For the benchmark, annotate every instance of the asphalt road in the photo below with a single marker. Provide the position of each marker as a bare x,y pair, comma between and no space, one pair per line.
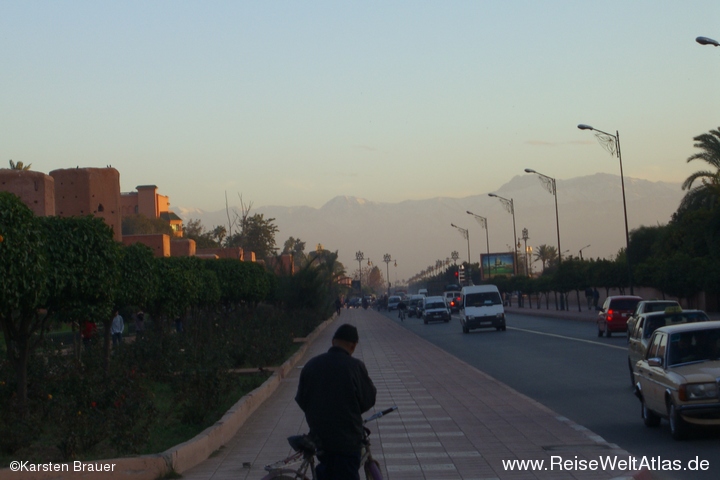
564,365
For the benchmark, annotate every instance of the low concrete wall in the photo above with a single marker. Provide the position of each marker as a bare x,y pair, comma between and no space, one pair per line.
181,457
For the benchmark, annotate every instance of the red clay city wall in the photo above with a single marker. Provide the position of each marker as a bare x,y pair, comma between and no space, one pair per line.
159,243
89,191
35,189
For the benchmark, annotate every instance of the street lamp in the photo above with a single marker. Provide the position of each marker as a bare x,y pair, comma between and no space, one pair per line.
359,256
586,246
707,41
387,259
550,184
466,235
455,255
483,223
525,237
611,143
510,207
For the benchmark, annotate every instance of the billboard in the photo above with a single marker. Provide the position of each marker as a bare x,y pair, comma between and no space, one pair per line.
495,264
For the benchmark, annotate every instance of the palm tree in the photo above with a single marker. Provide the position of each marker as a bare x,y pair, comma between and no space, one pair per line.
19,166
547,254
706,195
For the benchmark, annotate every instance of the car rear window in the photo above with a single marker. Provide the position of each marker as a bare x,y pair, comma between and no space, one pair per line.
654,322
434,305
624,304
659,307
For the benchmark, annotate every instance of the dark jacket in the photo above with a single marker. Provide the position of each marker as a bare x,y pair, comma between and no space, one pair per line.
334,391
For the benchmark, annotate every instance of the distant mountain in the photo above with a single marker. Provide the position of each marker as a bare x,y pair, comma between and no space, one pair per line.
416,233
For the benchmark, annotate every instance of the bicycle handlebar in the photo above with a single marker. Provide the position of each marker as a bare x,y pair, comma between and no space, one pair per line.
380,414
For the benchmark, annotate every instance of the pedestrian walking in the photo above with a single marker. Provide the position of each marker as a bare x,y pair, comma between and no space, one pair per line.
116,329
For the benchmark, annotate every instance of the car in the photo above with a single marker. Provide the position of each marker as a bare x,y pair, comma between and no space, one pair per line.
616,310
453,299
647,306
354,302
412,304
678,377
482,307
393,301
646,323
435,310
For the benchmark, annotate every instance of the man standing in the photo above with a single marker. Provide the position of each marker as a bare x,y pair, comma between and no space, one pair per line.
116,329
334,391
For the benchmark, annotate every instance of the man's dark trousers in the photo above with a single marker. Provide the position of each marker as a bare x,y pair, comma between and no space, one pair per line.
339,466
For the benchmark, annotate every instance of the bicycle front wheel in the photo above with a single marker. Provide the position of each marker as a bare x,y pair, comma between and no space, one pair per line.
372,470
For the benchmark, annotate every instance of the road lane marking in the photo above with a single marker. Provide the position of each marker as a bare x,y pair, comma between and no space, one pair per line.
566,338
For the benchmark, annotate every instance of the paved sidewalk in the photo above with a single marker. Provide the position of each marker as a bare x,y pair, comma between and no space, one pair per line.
454,422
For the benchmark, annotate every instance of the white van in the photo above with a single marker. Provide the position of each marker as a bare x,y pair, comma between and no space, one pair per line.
482,307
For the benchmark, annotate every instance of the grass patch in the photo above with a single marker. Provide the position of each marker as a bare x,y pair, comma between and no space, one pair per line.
168,430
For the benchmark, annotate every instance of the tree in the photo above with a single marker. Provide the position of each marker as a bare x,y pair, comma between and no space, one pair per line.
706,195
139,224
194,230
296,248
375,280
547,254
257,235
23,286
19,166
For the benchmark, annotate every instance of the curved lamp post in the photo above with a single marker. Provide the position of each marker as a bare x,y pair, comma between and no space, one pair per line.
586,246
550,184
707,41
611,143
466,235
510,207
483,223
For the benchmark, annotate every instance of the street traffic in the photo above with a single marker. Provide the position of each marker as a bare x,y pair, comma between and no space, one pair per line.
564,365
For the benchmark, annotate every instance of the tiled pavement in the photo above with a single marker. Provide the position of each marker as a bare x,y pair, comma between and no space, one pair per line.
453,422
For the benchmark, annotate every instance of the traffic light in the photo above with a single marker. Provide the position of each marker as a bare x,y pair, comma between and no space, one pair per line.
461,275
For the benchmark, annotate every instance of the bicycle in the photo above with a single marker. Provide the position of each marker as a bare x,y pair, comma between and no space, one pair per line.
401,314
306,451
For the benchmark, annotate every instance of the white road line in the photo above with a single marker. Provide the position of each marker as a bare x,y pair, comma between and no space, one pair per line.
566,338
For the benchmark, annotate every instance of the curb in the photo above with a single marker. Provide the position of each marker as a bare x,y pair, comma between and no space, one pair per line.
179,458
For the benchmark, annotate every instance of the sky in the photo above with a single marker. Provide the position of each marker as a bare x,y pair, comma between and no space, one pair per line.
294,103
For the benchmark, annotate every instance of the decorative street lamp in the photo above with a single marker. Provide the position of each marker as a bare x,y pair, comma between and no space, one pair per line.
549,184
466,235
510,207
455,255
359,256
611,143
707,41
586,246
525,237
483,223
387,259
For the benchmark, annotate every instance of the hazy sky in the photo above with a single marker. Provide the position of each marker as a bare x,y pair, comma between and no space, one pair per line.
294,103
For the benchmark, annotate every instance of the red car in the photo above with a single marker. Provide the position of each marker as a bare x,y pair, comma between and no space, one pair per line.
615,313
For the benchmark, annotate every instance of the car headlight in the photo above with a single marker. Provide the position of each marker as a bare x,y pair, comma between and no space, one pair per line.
698,391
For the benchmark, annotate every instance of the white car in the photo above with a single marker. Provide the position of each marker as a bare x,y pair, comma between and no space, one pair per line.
435,309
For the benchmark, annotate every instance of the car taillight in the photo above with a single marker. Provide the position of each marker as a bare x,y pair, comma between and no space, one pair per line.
609,314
